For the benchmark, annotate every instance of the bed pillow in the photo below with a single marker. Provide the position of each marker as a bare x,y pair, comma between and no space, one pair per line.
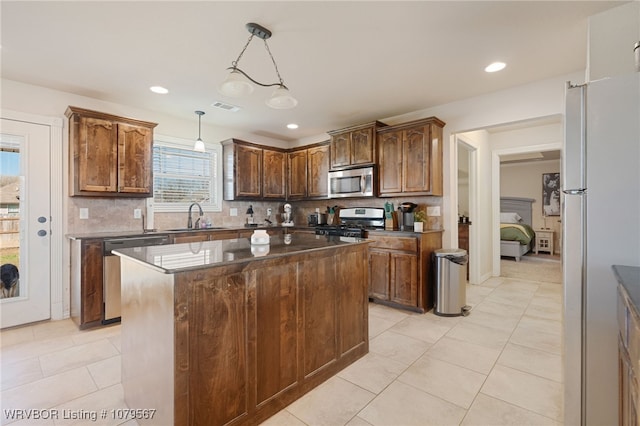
510,217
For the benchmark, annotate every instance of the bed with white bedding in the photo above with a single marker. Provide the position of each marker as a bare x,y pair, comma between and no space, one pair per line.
516,233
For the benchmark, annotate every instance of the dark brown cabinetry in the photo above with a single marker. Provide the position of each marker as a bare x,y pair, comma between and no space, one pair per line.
354,146
297,176
87,282
274,174
308,172
109,155
400,269
410,158
253,172
628,358
463,239
232,344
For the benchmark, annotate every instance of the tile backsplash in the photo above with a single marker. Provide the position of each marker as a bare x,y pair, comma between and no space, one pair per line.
117,214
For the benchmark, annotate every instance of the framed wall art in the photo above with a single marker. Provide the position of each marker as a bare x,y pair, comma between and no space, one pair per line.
551,194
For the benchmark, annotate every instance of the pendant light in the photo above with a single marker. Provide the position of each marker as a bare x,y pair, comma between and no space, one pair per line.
199,145
238,83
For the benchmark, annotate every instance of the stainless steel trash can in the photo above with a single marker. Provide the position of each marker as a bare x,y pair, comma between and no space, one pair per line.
451,282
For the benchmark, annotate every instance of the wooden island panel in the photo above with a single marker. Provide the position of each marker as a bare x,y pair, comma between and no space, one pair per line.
248,338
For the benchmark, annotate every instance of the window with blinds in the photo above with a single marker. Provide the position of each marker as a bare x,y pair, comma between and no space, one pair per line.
182,176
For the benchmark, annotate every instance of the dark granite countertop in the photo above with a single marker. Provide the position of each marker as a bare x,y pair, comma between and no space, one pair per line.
124,234
132,234
629,278
174,258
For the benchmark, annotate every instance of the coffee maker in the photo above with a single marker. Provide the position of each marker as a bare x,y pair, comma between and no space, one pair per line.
406,216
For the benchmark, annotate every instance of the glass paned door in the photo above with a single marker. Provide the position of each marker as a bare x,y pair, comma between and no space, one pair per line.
25,242
10,185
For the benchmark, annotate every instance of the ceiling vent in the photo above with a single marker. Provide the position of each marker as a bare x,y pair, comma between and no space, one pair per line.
226,107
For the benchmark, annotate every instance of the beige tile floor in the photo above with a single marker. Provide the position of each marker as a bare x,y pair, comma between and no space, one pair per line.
501,365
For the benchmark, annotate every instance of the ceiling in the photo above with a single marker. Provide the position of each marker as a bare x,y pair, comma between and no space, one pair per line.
346,62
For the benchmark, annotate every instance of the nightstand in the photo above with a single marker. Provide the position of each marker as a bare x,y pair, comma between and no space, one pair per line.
544,240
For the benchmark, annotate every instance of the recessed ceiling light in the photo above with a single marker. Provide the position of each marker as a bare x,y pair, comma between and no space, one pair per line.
159,89
292,126
496,66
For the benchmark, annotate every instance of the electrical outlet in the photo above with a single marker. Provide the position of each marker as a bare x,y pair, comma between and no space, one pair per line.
433,211
269,211
137,214
84,213
233,211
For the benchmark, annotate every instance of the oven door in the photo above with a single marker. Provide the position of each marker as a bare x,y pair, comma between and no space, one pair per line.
351,183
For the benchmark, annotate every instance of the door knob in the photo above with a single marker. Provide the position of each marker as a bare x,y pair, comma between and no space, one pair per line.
42,233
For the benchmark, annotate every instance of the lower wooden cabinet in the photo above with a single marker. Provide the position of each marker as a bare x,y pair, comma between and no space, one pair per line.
628,360
400,269
233,344
87,293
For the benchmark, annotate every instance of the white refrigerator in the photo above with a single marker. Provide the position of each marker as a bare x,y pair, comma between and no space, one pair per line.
601,227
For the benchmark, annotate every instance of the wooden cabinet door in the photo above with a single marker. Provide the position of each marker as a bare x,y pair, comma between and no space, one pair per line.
416,159
276,330
318,172
274,167
390,163
134,159
379,268
97,154
404,278
297,174
219,388
319,313
91,290
341,150
248,170
362,144
351,268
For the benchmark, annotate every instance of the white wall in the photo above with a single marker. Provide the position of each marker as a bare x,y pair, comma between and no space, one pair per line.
612,36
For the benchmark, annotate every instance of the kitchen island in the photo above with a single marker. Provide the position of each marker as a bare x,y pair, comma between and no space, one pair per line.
226,333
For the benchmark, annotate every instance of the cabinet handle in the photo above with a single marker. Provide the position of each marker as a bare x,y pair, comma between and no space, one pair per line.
42,233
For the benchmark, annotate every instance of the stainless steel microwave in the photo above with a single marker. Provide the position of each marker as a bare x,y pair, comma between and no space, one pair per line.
352,183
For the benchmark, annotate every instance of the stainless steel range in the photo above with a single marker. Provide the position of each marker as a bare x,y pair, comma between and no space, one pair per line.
354,222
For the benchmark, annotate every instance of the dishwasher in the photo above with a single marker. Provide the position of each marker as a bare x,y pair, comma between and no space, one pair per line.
111,278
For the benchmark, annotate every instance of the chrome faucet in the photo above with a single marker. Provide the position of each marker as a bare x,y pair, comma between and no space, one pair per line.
190,221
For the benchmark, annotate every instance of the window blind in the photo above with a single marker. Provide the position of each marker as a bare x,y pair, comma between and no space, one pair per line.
182,176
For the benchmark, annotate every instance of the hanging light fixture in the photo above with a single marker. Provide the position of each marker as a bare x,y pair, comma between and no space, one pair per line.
236,84
199,145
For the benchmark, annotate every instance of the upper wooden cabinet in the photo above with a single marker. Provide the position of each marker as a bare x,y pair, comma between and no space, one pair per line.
354,146
274,173
410,158
109,155
253,171
308,172
318,171
297,177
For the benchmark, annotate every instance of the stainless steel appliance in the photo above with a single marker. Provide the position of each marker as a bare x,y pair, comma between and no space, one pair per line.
352,183
111,274
317,219
354,222
406,218
601,207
